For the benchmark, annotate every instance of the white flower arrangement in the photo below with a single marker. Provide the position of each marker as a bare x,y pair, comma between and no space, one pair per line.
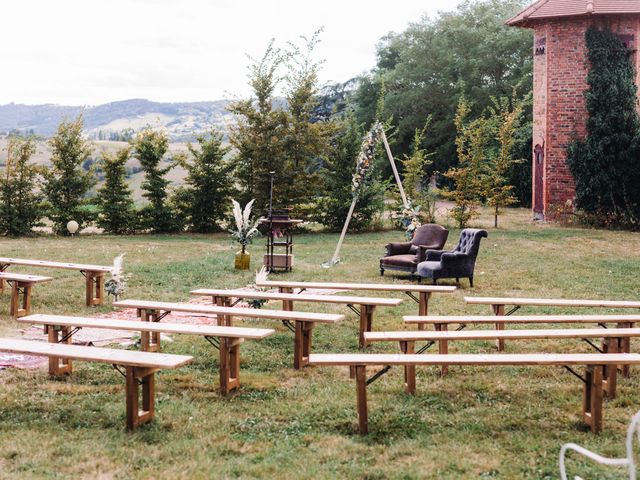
366,157
261,276
117,284
246,229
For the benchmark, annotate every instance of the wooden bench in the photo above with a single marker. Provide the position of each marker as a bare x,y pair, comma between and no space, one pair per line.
139,369
612,342
21,285
367,305
594,363
60,329
424,291
94,275
150,311
498,304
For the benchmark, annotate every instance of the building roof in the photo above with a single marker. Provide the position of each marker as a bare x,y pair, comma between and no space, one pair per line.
545,9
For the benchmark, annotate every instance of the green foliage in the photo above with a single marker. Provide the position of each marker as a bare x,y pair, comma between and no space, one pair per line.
117,212
427,68
150,147
417,172
209,184
605,165
333,206
497,190
257,135
471,141
66,182
20,207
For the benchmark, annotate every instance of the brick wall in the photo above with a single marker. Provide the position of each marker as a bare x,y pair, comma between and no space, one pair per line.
559,85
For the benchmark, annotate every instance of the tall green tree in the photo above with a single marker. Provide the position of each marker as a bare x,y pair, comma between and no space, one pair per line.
605,165
20,200
333,204
150,148
66,182
428,67
417,173
117,211
209,184
259,132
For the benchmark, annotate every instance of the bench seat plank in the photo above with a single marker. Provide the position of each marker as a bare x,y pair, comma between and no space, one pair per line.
390,287
515,319
477,359
551,302
179,328
338,299
95,354
48,264
20,277
230,311
409,335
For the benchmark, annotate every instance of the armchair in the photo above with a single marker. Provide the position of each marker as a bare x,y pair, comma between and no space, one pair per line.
406,256
459,262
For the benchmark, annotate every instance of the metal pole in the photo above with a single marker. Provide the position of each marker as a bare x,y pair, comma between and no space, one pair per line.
270,237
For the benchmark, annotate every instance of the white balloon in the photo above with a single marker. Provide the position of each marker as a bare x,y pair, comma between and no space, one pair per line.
72,226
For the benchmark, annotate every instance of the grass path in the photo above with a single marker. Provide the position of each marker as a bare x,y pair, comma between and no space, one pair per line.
476,423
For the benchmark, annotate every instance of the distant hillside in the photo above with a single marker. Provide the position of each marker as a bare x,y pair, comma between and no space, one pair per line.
182,120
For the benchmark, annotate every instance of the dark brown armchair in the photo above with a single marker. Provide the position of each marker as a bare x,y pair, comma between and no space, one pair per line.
406,256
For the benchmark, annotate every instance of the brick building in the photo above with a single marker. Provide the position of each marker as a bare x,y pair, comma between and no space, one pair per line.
559,83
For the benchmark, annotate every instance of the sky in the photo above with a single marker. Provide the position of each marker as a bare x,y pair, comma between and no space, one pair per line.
89,52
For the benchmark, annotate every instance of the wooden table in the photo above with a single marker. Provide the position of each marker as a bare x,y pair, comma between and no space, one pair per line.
94,275
21,285
365,312
304,321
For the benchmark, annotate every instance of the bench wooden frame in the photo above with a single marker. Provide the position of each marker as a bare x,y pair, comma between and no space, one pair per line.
612,342
94,275
595,364
150,311
367,305
21,286
498,304
424,291
60,329
139,367
441,323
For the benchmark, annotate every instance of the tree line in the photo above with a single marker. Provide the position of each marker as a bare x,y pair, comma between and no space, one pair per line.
309,136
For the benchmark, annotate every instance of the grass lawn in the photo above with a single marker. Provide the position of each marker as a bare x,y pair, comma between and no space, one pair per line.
475,423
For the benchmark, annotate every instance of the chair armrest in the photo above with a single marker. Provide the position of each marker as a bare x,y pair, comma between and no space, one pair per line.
433,255
397,248
422,251
451,257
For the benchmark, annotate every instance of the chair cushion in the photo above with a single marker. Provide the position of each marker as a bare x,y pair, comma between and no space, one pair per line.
400,260
425,268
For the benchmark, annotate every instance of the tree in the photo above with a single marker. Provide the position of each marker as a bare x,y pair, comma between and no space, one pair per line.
333,205
498,192
20,207
209,184
259,131
416,176
66,183
605,165
471,141
427,68
150,147
117,212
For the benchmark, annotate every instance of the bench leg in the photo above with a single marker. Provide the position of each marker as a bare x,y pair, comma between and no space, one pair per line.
366,322
229,365
149,341
592,398
625,347
409,370
423,307
499,311
223,320
20,299
3,267
58,365
610,373
94,288
443,346
302,344
287,305
136,378
361,388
